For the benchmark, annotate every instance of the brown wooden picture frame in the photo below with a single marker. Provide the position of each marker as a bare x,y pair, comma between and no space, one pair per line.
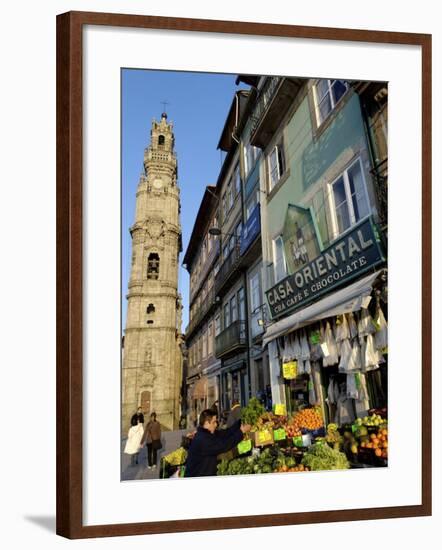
70,272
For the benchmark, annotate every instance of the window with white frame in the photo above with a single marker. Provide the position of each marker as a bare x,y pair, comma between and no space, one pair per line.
238,231
241,304
251,154
236,180
226,315
349,198
233,309
225,207
204,344
255,292
279,262
210,339
276,164
327,95
252,201
217,325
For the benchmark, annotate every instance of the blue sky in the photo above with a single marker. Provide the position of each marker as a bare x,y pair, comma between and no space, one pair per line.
198,106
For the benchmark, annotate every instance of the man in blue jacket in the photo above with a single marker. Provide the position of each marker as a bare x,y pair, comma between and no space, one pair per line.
209,442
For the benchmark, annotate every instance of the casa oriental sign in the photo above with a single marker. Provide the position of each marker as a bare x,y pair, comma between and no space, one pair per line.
352,254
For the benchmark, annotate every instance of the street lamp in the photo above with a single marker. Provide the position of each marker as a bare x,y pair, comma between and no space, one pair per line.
216,232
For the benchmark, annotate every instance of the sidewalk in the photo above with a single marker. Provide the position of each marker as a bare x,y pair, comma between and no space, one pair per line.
170,441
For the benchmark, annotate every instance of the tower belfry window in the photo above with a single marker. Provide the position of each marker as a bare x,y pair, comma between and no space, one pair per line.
161,141
153,266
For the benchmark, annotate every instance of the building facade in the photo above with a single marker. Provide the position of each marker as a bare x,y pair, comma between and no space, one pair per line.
304,176
152,362
201,259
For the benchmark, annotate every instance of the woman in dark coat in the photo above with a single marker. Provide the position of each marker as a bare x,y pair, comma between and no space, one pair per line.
152,437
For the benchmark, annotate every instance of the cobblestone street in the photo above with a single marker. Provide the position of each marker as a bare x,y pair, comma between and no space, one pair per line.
170,441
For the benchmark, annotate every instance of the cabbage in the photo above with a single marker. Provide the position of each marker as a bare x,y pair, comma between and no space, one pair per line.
322,457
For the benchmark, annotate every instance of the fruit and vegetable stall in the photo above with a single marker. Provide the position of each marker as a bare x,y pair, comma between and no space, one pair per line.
300,442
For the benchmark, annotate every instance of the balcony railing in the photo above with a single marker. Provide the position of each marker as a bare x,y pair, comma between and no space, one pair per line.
231,338
208,263
208,303
274,100
228,269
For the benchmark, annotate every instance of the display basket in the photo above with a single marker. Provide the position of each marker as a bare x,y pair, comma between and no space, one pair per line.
320,432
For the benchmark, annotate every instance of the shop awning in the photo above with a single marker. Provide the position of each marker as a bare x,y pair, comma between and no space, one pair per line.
200,388
350,298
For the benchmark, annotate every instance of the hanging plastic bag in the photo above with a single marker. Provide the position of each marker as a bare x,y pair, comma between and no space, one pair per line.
355,362
371,354
352,326
381,335
346,351
312,398
332,358
342,331
301,369
351,388
305,349
296,346
365,324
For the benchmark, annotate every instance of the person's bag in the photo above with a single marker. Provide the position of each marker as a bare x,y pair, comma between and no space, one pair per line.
156,444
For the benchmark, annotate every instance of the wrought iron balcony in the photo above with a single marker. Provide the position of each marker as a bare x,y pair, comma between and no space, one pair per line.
232,338
208,265
208,304
274,100
228,270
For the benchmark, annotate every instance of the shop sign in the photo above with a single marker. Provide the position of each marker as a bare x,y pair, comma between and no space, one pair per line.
348,257
290,370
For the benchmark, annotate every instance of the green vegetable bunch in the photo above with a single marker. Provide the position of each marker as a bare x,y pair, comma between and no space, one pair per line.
269,460
322,457
251,413
237,466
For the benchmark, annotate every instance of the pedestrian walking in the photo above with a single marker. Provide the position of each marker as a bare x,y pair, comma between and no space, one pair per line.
214,408
133,442
137,417
208,443
234,414
152,437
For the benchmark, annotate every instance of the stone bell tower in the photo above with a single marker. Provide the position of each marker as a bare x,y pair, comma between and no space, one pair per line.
152,360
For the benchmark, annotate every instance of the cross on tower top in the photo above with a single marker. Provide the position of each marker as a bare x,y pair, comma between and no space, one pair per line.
164,103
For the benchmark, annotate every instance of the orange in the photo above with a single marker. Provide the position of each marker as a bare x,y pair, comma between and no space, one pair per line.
378,452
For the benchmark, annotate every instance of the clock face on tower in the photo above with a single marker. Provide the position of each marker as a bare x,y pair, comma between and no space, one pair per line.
158,183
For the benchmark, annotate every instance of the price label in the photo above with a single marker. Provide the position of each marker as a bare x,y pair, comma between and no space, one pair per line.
279,435
358,380
290,370
244,446
280,409
354,428
315,337
263,436
298,441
